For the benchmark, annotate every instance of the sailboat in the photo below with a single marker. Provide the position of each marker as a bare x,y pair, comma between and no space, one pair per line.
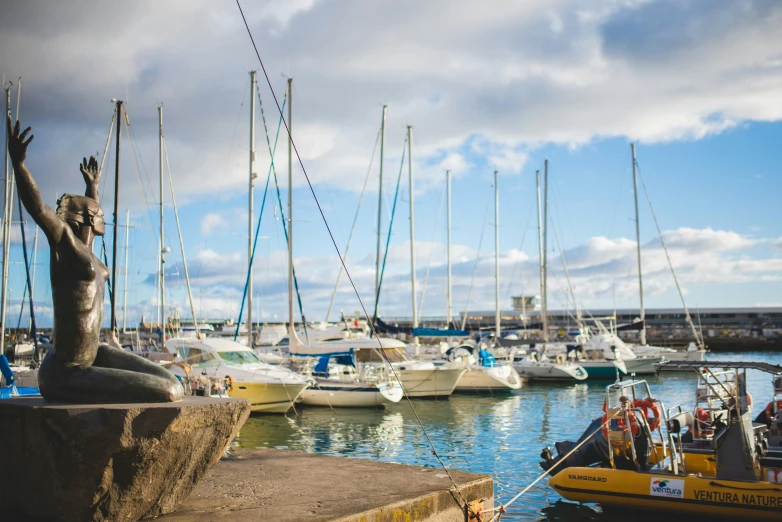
534,365
354,389
484,372
211,366
694,352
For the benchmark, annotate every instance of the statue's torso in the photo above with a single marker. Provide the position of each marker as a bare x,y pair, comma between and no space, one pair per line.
78,279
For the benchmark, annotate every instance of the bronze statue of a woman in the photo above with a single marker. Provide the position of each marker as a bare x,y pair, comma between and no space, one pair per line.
78,368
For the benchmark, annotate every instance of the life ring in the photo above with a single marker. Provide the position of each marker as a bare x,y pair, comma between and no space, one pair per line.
770,409
749,400
560,358
621,423
701,423
229,383
646,405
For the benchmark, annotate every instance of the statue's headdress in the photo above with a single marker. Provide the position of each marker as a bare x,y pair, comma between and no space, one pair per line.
80,209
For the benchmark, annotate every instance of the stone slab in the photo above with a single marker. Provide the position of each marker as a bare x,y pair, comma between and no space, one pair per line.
287,486
109,461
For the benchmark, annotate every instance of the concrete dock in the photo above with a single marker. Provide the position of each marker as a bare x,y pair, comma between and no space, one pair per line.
284,486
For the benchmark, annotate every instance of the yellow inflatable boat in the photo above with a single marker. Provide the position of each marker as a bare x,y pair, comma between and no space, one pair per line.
681,494
634,456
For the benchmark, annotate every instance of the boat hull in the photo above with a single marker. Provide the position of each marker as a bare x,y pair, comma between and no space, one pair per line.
430,383
546,371
642,365
599,369
671,493
336,394
267,397
497,379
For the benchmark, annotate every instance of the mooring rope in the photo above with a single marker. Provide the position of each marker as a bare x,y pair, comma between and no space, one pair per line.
502,507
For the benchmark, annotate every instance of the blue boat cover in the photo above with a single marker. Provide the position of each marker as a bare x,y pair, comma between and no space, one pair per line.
5,368
323,365
487,359
323,362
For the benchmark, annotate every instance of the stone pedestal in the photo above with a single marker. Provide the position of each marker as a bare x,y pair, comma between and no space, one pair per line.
109,461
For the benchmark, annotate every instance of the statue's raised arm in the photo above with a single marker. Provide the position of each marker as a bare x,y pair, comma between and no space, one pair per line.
43,215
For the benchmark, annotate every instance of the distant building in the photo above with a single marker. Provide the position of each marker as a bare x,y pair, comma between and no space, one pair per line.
526,302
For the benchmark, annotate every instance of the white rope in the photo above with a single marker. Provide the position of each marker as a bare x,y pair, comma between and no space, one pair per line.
698,338
475,267
355,219
181,244
502,508
431,250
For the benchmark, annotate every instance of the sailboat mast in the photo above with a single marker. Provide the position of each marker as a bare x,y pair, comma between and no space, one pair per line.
448,246
125,282
412,226
380,205
638,246
496,259
290,206
6,226
545,250
116,221
543,311
162,260
253,87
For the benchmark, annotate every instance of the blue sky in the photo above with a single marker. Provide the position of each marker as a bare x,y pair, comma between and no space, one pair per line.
695,84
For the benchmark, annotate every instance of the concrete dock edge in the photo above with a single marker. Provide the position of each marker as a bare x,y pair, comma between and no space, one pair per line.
284,485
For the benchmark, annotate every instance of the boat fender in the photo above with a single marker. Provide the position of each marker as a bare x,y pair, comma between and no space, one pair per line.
749,400
560,358
229,383
621,424
648,404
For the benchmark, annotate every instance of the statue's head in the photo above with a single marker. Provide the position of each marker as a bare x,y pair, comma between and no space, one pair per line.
81,211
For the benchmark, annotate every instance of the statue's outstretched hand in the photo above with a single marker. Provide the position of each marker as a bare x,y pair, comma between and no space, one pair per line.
90,171
17,146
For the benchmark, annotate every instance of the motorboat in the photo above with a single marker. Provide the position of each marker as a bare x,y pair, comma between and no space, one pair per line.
387,356
634,456
339,385
535,367
483,373
270,389
691,353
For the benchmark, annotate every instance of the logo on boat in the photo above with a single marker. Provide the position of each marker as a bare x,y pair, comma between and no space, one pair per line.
666,487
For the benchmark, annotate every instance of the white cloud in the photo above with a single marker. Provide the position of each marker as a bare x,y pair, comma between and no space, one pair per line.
211,222
515,76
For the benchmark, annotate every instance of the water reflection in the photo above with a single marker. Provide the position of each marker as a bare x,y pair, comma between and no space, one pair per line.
498,435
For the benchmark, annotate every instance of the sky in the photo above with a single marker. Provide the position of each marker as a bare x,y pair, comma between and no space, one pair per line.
695,84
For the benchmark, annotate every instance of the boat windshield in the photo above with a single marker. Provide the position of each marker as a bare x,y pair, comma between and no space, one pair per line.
239,358
196,357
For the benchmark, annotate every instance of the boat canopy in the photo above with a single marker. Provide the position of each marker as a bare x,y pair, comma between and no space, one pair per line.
385,328
323,362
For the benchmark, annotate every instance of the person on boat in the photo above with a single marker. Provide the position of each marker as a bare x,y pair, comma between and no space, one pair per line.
78,368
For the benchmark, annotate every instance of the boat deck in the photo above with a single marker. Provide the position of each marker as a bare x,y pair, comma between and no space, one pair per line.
267,484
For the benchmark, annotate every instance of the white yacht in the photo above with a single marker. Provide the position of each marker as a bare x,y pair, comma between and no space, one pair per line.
419,379
269,389
691,353
340,385
484,374
542,368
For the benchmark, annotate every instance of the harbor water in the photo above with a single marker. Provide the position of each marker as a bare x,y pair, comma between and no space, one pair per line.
500,435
